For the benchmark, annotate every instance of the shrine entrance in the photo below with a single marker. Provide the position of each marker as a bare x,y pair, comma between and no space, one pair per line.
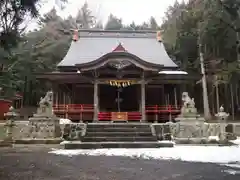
118,99
128,77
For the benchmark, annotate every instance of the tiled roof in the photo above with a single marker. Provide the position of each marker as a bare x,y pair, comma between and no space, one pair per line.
93,44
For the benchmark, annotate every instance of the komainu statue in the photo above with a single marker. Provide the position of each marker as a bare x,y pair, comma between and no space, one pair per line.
187,101
188,108
46,105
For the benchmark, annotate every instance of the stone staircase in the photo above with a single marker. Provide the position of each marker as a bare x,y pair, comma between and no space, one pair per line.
117,135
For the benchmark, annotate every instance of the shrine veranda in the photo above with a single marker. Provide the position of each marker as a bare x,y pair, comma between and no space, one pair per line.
117,76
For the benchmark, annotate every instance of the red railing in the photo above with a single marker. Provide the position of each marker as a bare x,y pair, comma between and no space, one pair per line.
73,108
78,110
163,113
104,116
90,108
134,116
163,109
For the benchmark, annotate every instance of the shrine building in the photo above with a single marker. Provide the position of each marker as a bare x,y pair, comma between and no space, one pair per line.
117,76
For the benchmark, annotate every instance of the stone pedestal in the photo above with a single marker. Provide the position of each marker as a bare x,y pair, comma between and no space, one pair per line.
190,125
44,124
196,119
189,129
42,127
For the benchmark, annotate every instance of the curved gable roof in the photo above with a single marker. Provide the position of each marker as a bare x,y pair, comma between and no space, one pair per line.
92,45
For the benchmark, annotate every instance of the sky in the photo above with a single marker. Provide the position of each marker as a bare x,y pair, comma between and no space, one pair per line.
128,10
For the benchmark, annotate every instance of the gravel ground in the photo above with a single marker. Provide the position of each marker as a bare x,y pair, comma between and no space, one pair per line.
35,163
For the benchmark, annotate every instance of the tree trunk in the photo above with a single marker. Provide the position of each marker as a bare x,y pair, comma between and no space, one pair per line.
232,101
217,97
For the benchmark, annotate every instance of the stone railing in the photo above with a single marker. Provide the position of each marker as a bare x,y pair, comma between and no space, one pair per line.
195,132
187,132
167,131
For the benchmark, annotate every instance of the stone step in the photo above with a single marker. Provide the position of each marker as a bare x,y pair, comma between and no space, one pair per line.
119,139
118,129
115,134
101,145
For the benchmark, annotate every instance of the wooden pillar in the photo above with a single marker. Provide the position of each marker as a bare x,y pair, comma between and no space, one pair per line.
64,98
175,97
95,101
139,100
56,96
74,94
143,99
163,96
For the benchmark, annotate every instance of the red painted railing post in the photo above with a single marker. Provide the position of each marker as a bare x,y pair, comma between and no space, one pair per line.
156,113
81,109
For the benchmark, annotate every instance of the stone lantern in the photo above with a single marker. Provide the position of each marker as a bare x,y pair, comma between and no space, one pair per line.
11,117
221,115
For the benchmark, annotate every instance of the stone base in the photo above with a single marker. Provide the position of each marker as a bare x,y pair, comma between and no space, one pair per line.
162,131
198,130
4,143
101,145
38,141
113,135
41,127
190,119
44,115
188,130
42,118
202,141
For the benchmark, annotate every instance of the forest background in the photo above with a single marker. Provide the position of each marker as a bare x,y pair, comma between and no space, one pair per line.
213,23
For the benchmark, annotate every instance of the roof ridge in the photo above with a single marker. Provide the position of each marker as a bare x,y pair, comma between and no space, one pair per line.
116,34
116,31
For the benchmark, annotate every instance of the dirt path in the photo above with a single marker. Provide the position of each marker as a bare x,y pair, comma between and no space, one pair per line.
38,164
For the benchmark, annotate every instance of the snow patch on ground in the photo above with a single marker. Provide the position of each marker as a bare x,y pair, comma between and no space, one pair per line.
236,166
232,172
65,142
228,155
65,121
237,141
213,138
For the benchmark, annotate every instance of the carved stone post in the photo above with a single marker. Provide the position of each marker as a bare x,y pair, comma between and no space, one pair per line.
11,117
143,102
96,109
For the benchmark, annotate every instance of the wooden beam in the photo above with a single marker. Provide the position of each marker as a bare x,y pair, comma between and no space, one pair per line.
149,86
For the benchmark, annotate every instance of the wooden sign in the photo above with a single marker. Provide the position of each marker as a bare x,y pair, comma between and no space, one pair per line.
119,116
